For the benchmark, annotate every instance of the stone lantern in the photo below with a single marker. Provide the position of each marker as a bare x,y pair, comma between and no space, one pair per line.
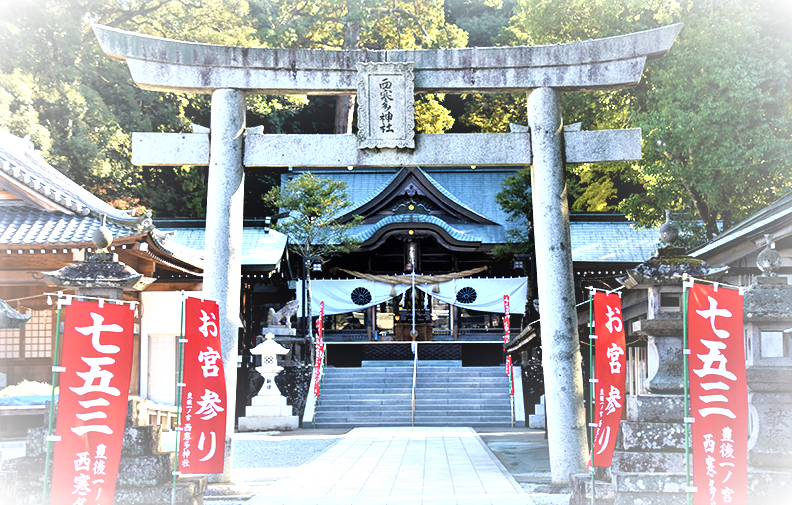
768,353
101,274
648,464
268,410
661,278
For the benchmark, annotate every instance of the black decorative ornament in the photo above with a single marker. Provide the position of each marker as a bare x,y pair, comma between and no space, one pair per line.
361,296
466,295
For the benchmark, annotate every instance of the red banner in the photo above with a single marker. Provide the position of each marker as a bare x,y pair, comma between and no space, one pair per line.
506,338
718,395
92,406
203,402
320,349
610,366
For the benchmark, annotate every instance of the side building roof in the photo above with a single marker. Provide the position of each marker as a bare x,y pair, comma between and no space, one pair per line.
41,209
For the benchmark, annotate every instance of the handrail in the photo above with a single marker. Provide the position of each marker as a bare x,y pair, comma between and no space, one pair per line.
415,379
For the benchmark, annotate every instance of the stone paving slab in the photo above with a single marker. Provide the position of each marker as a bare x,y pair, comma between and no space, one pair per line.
407,465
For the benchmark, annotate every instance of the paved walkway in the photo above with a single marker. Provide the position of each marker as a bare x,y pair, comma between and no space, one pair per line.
400,466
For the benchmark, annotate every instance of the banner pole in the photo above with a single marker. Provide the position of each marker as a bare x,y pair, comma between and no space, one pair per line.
592,391
55,369
178,402
685,358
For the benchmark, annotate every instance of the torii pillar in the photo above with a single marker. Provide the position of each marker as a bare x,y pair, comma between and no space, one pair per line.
228,73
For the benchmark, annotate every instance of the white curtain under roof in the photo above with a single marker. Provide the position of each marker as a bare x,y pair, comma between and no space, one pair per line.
347,295
341,296
484,295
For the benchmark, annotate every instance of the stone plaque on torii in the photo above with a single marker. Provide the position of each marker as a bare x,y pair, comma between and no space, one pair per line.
229,73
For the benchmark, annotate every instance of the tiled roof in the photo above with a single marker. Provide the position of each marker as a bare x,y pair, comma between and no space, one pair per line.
593,240
612,242
22,226
260,246
22,164
474,190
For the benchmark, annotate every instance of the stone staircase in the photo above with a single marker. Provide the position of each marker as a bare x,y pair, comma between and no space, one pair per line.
379,393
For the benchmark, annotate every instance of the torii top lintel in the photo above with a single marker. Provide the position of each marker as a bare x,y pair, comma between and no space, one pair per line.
159,64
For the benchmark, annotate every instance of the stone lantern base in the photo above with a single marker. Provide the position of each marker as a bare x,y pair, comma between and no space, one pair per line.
268,413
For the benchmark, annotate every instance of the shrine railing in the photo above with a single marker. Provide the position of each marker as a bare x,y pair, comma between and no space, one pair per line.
414,379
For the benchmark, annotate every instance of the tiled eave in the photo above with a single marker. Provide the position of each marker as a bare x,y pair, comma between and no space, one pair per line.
22,228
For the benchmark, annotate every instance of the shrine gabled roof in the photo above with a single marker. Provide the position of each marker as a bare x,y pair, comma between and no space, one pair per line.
463,233
421,177
471,192
47,211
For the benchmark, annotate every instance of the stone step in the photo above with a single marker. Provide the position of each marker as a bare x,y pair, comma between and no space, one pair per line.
372,407
537,421
324,401
462,415
660,462
442,422
467,370
389,419
463,393
460,404
370,371
367,381
431,363
445,395
580,484
387,363
654,437
461,380
358,392
360,424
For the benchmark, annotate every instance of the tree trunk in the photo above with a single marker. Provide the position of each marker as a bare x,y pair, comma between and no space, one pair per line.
702,209
345,104
344,113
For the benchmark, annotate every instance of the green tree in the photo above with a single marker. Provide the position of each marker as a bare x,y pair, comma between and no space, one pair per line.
482,20
515,199
362,24
715,112
80,107
316,225
718,146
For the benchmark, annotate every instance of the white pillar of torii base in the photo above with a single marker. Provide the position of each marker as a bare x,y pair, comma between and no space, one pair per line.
230,72
222,279
557,312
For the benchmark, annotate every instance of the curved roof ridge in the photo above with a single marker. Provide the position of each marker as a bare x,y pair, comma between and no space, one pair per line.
370,229
21,162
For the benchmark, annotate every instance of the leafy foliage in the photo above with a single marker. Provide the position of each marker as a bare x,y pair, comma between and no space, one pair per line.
515,199
314,206
80,107
362,24
718,146
715,112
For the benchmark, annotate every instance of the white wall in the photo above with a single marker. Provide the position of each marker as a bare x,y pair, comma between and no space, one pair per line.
160,327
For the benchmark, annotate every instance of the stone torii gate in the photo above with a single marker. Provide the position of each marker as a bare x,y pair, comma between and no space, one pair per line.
230,73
